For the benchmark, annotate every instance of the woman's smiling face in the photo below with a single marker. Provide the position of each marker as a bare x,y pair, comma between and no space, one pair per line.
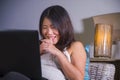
49,31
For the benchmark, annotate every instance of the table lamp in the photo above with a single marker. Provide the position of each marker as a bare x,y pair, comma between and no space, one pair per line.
103,41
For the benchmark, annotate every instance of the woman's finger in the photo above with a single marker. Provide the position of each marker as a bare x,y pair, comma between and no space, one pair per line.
49,41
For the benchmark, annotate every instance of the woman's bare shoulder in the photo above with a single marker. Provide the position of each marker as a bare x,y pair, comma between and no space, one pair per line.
77,44
78,51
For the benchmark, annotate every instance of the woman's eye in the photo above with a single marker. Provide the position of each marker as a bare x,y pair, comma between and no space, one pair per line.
44,27
52,27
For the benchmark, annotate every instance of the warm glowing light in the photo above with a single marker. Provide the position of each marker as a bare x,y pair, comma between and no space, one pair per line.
103,40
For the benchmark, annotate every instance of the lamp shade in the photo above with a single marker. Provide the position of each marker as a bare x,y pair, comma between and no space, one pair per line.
103,40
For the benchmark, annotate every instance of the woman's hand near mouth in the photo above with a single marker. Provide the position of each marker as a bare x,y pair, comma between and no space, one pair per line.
48,46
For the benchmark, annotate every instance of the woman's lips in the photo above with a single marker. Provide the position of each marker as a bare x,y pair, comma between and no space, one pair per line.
52,38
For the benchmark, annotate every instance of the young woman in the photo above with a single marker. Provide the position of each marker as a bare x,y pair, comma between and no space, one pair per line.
61,56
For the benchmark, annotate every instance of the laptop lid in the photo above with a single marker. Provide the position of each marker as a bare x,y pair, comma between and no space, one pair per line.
19,51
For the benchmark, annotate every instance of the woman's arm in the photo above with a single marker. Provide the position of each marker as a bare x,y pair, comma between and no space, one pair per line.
76,69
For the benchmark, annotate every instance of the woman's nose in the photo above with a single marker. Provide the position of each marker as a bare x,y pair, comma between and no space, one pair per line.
50,31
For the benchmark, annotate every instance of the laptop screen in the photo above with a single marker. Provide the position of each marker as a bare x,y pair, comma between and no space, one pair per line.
19,52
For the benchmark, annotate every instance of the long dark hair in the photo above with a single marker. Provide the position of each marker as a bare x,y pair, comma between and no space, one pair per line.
61,20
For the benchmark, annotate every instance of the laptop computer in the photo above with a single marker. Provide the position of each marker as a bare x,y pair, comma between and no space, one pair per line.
19,52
